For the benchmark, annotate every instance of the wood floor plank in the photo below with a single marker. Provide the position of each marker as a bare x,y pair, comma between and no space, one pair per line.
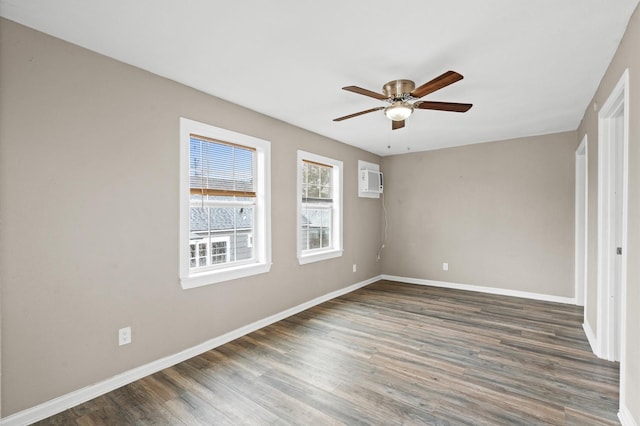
388,353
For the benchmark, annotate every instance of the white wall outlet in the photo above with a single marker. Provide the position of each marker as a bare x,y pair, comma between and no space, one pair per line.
124,336
355,267
445,266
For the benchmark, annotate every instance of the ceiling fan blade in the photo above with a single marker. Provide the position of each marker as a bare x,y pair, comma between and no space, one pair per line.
395,125
358,113
361,91
443,106
437,83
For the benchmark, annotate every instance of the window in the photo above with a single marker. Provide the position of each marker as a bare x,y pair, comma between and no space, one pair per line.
319,208
224,205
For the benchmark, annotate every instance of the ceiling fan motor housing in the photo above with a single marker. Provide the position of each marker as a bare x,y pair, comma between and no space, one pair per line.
396,88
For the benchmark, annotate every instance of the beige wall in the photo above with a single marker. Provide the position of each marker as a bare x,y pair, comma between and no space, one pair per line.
500,213
89,205
626,57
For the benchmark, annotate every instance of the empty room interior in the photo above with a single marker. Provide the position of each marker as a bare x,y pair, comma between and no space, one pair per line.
319,213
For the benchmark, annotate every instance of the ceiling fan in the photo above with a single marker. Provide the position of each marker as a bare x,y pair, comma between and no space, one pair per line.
401,93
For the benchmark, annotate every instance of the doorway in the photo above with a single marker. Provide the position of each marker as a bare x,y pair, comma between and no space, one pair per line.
613,120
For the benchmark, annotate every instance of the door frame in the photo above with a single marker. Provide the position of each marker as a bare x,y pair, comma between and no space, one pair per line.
581,223
608,304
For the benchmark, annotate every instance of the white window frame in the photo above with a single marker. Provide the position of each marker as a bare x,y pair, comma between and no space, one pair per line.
336,248
262,224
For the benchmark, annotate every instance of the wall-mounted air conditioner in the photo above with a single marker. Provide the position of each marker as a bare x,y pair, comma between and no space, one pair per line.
370,180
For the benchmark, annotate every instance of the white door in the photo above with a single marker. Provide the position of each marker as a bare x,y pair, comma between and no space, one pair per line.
613,142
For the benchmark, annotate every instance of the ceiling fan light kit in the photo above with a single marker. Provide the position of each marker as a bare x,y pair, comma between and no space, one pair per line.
400,94
398,111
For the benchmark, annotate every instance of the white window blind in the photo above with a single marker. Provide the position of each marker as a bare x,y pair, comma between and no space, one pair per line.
221,168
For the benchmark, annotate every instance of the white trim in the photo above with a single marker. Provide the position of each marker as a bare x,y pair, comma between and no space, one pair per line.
64,402
591,338
262,225
481,289
303,259
625,417
581,236
606,330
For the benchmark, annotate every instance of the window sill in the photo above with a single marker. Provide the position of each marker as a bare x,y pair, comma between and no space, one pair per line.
226,274
303,259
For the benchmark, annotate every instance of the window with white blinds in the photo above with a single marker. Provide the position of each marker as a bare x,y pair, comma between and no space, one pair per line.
218,168
319,207
224,205
223,200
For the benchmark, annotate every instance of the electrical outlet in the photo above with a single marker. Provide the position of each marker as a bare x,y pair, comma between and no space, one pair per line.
445,266
124,336
355,267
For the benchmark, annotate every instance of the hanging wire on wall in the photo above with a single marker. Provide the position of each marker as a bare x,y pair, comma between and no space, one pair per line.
386,228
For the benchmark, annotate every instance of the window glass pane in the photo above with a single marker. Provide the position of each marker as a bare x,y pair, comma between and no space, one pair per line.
316,227
222,219
314,191
326,228
244,169
195,164
325,193
220,234
325,176
312,177
317,181
305,237
242,248
314,238
199,223
325,238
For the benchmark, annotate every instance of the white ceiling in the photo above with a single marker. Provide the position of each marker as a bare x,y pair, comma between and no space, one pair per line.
530,67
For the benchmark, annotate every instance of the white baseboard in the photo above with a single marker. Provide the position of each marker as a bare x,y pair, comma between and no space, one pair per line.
57,405
591,337
625,417
490,290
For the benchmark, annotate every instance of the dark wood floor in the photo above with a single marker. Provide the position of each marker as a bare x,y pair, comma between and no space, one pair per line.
388,353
